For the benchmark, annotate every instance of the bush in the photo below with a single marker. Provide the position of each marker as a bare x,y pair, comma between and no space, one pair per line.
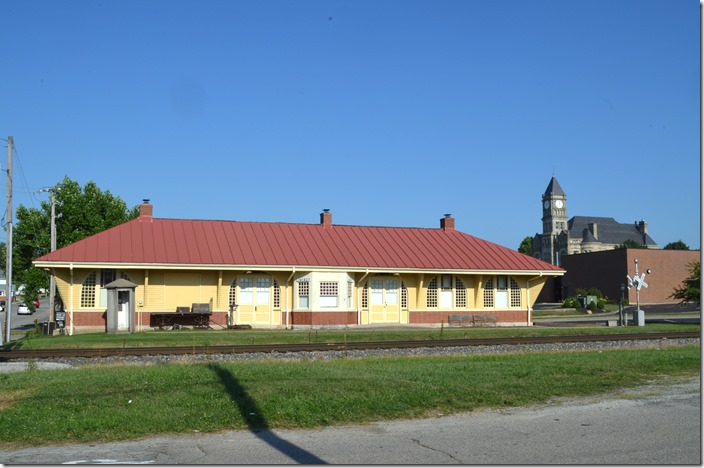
601,303
592,306
595,292
571,302
580,292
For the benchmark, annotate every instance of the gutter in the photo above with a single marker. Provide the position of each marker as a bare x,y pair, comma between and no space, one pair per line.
288,309
70,308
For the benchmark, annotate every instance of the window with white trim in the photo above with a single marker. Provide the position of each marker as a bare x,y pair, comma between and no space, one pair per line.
404,296
502,292
328,294
262,293
365,296
446,291
377,291
384,291
303,294
246,290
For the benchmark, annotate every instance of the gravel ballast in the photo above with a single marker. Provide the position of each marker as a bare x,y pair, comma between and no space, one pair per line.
58,363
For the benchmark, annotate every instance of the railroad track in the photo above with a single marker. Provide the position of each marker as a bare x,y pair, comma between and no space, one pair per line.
14,354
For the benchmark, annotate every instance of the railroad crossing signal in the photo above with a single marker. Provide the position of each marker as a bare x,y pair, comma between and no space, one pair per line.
636,281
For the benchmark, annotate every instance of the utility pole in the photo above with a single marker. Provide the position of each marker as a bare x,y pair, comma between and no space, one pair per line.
8,246
52,282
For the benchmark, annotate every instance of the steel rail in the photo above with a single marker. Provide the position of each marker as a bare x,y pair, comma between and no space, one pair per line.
13,354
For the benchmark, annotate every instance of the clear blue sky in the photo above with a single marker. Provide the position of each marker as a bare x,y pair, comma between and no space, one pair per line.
386,112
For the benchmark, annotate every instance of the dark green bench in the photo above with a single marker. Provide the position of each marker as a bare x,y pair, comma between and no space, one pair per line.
460,319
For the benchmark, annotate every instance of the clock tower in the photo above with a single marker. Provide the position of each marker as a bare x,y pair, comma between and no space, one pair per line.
552,243
554,209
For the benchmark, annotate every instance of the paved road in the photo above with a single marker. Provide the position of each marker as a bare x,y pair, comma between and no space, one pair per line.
650,425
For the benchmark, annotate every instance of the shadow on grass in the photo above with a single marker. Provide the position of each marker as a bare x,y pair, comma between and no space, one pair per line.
256,422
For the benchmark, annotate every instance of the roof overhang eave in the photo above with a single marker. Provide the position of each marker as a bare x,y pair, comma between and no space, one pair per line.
351,269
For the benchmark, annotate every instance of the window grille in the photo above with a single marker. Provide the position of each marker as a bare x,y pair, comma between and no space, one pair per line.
88,291
404,296
432,298
515,294
460,293
365,296
489,293
277,295
232,295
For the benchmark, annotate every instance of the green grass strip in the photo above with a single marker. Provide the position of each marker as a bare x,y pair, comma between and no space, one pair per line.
250,337
121,402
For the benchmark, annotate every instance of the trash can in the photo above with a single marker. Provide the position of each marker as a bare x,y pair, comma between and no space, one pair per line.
49,328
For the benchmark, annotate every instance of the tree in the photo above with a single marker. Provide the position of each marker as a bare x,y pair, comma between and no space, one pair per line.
678,245
630,244
81,212
690,290
526,246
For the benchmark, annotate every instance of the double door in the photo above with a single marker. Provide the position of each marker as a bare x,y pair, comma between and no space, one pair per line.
384,303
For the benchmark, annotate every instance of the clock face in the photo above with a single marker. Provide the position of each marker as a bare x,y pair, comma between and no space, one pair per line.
546,205
558,203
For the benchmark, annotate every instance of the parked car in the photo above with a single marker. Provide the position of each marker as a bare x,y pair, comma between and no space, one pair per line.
22,309
36,303
2,306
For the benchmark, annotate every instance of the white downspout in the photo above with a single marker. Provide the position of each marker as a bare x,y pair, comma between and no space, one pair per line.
530,311
70,308
288,309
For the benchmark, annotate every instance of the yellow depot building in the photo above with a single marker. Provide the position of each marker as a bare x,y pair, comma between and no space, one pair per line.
151,272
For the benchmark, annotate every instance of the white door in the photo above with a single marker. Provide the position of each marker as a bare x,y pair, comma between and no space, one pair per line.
123,310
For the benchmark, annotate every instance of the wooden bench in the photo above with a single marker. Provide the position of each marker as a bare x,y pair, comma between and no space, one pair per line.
460,319
480,319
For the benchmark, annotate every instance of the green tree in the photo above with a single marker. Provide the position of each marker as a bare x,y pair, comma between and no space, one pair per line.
526,246
630,244
81,212
677,245
690,290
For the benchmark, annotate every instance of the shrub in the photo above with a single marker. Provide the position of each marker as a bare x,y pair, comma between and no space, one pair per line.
592,306
595,292
571,302
601,303
581,292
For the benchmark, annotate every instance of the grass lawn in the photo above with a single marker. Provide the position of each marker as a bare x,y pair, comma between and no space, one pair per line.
120,402
187,337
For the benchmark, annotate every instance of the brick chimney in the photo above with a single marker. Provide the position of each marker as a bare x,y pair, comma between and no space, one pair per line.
145,210
326,218
447,223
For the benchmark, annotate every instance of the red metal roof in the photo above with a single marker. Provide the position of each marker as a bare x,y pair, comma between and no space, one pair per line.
177,242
